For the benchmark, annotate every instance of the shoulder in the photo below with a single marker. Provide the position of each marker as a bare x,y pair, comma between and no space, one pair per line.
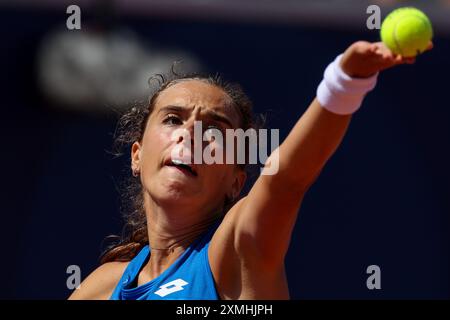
100,284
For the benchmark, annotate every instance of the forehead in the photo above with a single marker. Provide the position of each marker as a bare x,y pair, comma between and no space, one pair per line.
198,94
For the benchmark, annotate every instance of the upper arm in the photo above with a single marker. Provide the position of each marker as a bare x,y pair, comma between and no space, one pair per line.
265,221
100,284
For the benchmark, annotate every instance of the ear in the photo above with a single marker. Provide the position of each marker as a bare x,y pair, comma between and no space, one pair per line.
136,156
238,183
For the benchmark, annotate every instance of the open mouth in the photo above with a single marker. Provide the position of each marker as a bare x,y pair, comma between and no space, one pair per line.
184,167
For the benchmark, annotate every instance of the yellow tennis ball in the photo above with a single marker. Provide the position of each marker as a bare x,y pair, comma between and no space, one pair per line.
406,31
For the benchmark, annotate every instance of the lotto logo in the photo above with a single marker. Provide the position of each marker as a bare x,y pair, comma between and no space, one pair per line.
171,287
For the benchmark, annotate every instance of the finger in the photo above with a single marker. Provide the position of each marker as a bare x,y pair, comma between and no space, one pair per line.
409,60
398,59
373,48
380,48
390,55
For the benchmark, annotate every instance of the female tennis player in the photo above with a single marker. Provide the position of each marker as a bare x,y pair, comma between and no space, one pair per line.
187,237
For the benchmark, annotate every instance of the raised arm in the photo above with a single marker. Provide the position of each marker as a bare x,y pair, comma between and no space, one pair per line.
262,222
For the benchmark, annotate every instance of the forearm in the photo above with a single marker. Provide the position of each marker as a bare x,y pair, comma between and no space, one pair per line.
309,145
320,130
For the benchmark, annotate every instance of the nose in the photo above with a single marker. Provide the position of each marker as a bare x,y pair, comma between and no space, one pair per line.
189,137
183,148
187,134
184,138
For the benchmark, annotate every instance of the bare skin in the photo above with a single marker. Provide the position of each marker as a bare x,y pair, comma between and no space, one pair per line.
252,241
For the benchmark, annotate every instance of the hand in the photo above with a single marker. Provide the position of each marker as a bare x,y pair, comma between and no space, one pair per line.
363,59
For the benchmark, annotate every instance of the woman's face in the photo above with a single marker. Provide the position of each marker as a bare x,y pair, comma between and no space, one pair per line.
204,186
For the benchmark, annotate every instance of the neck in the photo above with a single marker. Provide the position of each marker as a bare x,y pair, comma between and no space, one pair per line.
171,231
169,225
168,233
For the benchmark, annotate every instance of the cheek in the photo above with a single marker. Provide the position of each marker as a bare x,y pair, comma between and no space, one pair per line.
220,175
155,141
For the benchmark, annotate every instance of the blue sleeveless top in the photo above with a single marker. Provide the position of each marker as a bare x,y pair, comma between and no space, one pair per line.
188,278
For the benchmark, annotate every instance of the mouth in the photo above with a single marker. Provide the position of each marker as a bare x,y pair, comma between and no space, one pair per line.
182,166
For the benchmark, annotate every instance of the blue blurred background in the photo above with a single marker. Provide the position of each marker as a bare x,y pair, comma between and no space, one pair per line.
383,198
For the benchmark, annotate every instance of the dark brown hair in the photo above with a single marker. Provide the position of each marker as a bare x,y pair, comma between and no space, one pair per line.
130,129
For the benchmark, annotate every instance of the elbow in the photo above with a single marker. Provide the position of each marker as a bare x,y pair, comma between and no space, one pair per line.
287,183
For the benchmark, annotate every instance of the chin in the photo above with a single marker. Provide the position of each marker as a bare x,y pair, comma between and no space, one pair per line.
175,190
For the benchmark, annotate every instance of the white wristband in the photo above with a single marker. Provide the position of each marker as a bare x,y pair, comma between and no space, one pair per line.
340,93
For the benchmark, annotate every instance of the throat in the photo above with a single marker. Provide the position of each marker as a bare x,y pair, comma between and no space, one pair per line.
166,241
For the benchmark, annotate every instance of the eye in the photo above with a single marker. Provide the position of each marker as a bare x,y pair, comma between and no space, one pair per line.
172,119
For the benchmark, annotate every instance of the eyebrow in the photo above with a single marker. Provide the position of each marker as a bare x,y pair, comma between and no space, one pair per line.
210,113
